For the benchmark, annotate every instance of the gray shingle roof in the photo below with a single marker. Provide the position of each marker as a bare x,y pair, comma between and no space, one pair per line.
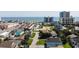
51,39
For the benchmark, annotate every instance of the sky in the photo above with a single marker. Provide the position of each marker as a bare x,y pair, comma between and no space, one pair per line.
27,13
34,13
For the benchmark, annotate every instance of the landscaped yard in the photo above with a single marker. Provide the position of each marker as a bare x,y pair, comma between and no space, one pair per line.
41,42
29,41
52,27
33,34
67,45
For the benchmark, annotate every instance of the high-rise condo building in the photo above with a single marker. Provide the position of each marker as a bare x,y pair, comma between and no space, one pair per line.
48,19
65,18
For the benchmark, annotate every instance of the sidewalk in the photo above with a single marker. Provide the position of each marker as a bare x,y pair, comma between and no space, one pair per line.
35,39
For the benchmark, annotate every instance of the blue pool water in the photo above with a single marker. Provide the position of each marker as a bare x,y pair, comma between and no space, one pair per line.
17,33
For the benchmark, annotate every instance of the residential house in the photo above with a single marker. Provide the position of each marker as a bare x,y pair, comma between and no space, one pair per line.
10,44
53,42
74,41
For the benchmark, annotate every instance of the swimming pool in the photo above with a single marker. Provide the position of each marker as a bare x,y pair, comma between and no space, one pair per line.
19,32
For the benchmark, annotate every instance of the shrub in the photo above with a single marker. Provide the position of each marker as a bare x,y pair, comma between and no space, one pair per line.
67,45
41,42
29,41
33,34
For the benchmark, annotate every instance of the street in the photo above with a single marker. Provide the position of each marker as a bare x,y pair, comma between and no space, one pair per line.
35,39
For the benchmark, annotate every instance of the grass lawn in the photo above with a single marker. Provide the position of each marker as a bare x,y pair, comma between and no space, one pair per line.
33,34
67,45
41,42
52,27
29,41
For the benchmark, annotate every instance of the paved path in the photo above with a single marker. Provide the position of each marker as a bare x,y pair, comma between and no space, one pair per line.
35,39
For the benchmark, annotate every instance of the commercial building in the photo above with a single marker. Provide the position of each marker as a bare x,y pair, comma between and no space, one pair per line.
66,19
48,19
